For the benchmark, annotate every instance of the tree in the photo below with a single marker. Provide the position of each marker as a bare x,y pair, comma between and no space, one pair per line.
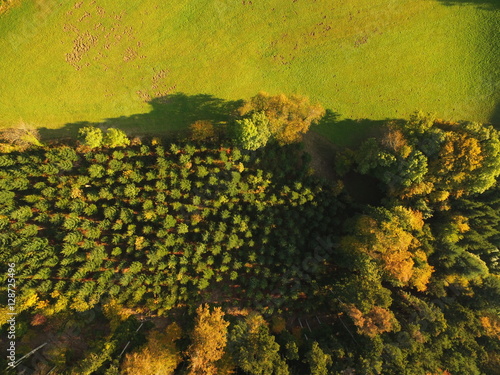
482,236
115,138
202,130
160,356
318,360
469,159
392,161
289,116
91,136
209,339
255,349
378,320
387,237
432,159
253,132
371,156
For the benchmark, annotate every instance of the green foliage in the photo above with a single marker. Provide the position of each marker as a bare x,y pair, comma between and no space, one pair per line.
432,160
94,137
370,157
91,136
115,138
410,285
253,132
318,360
105,216
255,349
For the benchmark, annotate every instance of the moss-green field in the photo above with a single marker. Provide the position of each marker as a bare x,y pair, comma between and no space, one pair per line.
68,62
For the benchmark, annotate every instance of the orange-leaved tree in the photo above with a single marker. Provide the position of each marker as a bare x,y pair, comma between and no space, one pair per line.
289,116
389,239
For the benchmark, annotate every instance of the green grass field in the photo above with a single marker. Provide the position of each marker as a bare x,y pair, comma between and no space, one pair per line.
80,61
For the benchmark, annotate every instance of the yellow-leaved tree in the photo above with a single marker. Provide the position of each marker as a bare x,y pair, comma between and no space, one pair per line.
209,339
160,356
391,242
378,320
289,116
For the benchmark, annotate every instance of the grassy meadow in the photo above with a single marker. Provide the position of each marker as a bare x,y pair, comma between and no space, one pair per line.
68,62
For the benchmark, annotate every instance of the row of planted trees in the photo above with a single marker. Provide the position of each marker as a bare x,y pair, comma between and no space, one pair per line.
154,225
408,284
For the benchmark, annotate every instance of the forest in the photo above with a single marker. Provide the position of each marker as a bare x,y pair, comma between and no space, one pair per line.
224,252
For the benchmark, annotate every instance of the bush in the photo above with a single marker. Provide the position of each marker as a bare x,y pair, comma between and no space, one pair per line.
202,130
94,137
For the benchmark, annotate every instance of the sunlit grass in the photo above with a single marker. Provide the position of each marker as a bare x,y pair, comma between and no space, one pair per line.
360,58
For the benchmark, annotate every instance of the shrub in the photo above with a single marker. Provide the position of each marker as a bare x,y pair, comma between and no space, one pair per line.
22,137
202,130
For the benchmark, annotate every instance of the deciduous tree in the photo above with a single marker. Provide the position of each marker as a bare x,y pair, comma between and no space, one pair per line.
289,116
209,339
115,138
253,132
160,356
318,360
91,136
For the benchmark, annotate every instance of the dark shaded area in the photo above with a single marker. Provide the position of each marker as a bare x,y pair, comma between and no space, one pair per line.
323,154
347,132
482,4
495,117
363,189
169,115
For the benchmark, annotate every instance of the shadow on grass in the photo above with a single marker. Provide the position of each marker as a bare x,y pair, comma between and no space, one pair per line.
495,117
347,132
483,4
173,114
169,115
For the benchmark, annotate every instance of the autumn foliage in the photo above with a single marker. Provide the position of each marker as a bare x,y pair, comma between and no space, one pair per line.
391,242
159,356
289,116
378,320
202,130
209,339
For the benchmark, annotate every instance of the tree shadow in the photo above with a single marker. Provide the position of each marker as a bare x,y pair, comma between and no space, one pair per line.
347,132
482,4
169,115
495,117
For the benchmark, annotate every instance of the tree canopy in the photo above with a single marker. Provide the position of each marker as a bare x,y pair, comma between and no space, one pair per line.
289,116
223,256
